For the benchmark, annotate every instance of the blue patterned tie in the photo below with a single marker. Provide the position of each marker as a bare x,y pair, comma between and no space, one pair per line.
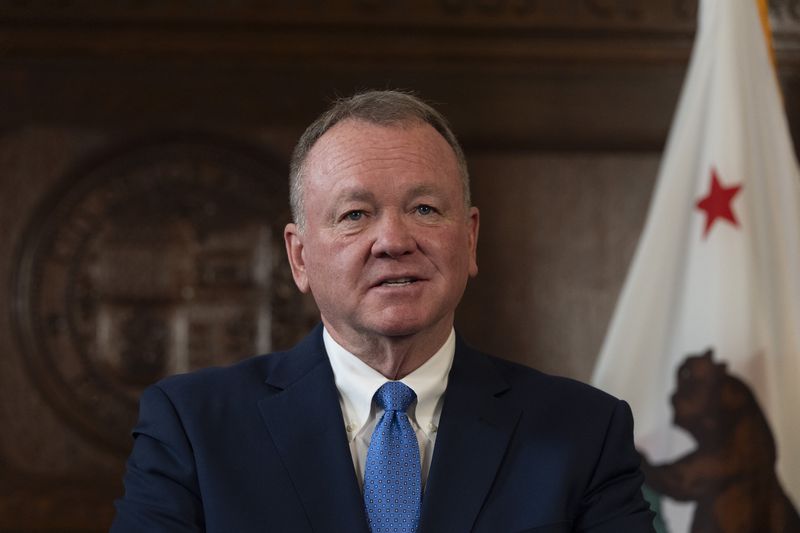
392,484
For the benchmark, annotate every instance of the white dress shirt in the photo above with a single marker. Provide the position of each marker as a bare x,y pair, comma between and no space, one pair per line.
357,383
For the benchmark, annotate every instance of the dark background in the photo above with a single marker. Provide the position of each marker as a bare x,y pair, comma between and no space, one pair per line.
143,155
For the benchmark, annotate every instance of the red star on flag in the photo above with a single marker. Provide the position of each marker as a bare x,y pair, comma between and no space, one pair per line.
717,203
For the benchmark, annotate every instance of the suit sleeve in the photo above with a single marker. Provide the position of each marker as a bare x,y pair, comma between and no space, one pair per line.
161,488
613,501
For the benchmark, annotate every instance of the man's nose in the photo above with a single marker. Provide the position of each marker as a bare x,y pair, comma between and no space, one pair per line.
393,237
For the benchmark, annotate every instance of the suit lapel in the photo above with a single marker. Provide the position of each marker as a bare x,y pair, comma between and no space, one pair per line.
474,432
305,421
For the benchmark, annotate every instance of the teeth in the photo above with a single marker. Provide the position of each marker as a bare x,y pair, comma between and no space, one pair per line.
398,282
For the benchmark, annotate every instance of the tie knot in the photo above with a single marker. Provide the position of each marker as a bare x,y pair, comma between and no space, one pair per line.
394,396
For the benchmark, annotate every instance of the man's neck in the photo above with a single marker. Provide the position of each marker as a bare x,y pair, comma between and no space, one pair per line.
394,357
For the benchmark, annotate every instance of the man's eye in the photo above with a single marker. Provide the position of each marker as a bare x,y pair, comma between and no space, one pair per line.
425,209
354,215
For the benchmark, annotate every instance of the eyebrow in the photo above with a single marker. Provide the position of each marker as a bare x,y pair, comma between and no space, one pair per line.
421,190
361,195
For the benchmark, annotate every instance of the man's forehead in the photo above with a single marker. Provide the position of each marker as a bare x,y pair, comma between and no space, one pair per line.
359,192
352,139
356,124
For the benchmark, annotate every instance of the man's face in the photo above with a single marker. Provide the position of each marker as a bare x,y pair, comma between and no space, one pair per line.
388,243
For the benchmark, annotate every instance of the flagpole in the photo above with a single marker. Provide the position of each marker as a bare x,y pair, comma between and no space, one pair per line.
763,12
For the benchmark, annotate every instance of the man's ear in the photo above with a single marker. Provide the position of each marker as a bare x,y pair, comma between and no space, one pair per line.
294,251
473,223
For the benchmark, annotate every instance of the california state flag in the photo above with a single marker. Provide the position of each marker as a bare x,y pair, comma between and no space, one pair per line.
705,340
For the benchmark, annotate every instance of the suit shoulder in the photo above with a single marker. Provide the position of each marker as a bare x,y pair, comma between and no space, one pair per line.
249,377
221,380
527,381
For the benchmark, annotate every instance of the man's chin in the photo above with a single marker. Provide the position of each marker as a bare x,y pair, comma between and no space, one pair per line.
403,327
393,328
396,323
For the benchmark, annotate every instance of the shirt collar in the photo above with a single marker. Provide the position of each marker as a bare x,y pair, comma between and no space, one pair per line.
357,383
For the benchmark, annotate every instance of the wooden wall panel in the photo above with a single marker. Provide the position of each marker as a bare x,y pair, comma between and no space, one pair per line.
557,233
47,471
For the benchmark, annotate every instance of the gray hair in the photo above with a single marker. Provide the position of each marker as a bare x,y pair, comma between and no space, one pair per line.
383,108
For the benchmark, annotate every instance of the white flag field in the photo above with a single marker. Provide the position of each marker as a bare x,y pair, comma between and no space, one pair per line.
705,339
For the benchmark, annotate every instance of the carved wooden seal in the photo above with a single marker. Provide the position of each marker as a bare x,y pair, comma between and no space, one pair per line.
156,260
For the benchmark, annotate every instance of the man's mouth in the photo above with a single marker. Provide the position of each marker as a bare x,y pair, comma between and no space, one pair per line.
397,282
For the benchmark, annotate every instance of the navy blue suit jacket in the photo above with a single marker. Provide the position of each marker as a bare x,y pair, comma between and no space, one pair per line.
261,447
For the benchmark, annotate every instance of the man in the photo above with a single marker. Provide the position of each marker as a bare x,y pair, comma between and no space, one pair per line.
382,414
